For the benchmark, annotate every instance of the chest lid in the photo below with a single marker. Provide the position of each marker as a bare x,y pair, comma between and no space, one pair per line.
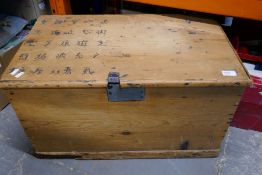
146,50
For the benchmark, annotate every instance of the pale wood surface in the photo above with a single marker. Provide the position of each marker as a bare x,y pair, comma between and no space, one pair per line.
82,120
159,154
147,50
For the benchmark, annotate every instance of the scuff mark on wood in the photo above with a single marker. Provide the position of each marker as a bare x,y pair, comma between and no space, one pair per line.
184,145
191,32
124,75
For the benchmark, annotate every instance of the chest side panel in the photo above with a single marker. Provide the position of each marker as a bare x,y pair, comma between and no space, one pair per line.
62,121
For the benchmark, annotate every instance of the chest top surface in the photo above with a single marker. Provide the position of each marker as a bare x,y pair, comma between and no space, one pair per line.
147,50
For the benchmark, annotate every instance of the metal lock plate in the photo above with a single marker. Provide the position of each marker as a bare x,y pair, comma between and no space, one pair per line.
115,93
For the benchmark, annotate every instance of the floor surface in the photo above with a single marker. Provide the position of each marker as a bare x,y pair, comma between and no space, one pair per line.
241,154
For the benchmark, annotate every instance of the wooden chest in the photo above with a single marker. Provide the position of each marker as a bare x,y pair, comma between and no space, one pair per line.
125,86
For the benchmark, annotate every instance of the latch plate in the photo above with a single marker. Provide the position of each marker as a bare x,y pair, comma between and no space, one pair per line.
115,93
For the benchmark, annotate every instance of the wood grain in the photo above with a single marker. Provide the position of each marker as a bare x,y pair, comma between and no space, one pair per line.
82,120
132,154
61,98
147,50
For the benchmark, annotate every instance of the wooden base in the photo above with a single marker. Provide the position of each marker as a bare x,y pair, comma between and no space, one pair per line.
159,154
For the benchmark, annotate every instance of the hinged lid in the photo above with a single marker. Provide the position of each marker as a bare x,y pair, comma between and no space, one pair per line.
147,50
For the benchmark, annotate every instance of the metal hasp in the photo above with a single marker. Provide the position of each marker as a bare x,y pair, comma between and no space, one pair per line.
116,93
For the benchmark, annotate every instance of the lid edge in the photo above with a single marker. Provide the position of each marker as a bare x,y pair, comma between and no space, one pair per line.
24,84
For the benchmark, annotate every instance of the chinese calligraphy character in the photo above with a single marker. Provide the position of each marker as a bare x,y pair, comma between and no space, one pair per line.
41,56
87,70
79,55
38,71
61,55
104,21
85,31
101,32
75,21
101,43
30,42
43,21
23,56
58,21
37,31
55,32
95,55
82,43
65,43
55,72
47,43
70,32
87,21
67,70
